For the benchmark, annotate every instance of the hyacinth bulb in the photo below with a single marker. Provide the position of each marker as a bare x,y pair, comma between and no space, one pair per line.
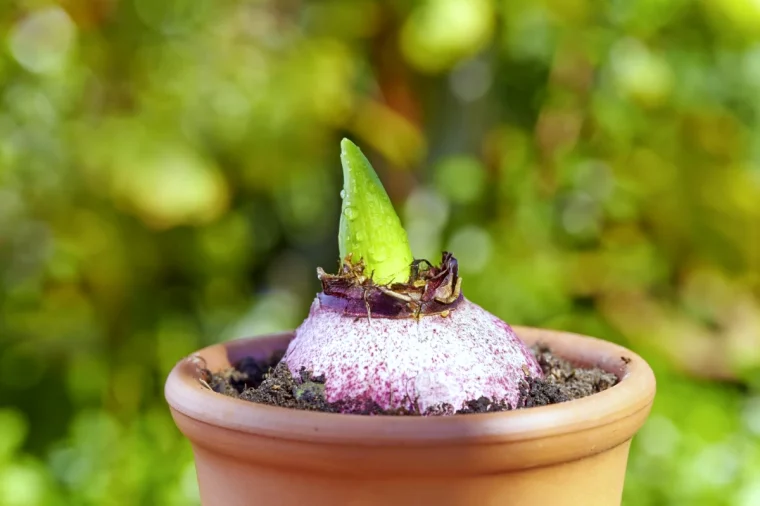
398,333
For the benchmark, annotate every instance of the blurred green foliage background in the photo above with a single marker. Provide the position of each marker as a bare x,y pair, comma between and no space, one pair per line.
169,178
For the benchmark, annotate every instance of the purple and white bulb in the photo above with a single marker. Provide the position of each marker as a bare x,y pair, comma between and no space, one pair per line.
396,332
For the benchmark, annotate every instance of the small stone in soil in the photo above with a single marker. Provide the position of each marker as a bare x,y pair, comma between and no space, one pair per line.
271,382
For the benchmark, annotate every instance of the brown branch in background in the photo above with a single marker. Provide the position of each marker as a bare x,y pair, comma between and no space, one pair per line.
89,14
392,74
390,120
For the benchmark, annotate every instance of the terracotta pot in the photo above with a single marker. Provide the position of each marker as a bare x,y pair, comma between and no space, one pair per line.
573,453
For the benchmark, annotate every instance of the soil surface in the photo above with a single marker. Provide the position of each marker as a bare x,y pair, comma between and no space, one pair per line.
270,382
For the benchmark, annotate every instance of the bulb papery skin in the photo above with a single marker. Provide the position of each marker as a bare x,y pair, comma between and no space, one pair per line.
412,363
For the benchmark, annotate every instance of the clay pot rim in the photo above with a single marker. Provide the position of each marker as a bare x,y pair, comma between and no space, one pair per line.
631,397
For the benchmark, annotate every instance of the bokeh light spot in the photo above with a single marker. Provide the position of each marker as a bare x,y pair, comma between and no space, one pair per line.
41,41
13,431
471,80
472,246
22,484
460,178
439,33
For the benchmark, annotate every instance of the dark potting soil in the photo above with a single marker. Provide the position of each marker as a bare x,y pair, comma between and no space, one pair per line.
270,382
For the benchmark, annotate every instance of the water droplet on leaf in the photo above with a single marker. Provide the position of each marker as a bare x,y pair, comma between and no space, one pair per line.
349,212
343,194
